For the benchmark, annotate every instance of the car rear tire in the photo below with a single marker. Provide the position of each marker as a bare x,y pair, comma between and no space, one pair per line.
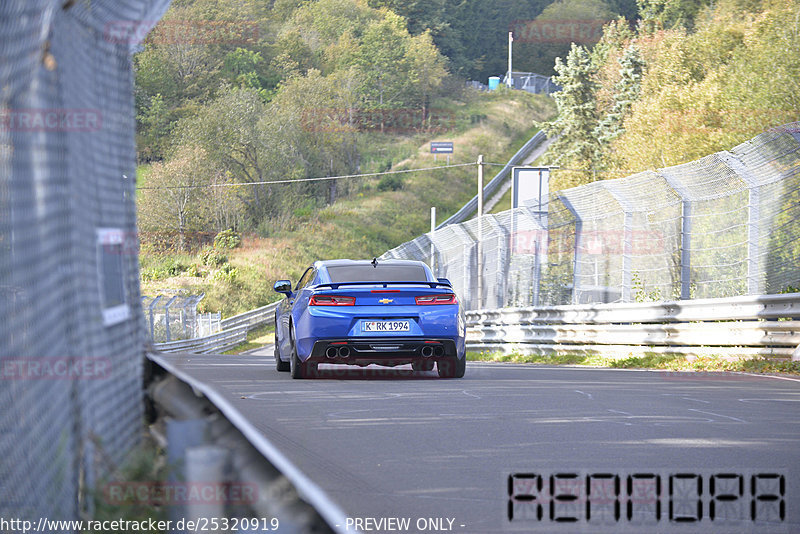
280,365
452,367
301,369
422,365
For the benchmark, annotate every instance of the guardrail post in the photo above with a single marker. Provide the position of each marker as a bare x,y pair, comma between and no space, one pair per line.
181,435
205,467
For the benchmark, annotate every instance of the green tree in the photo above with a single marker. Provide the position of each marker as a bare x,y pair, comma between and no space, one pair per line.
244,68
320,23
627,91
579,20
176,198
426,70
154,129
577,111
239,134
666,14
382,52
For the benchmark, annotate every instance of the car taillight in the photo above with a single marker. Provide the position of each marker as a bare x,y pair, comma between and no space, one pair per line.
436,299
331,300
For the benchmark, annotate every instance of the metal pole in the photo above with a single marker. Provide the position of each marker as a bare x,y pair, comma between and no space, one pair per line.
576,261
509,79
686,233
166,316
433,229
480,232
480,186
152,319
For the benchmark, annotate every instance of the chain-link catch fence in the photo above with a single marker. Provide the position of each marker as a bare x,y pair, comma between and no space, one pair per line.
72,332
725,225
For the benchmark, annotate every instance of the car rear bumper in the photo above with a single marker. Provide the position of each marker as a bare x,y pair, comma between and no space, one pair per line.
386,351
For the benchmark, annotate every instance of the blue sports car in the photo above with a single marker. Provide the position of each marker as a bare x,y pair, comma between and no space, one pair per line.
389,313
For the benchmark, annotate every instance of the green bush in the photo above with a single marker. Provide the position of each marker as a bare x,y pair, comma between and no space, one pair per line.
390,183
303,211
193,270
227,239
149,275
212,257
226,273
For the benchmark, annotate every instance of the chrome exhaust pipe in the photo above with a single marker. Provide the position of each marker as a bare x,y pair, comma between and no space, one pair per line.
344,352
427,352
330,352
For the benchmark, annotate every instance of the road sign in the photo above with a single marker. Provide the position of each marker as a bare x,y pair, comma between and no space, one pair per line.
530,186
441,147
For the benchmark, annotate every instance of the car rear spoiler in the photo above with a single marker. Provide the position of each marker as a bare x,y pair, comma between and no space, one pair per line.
335,285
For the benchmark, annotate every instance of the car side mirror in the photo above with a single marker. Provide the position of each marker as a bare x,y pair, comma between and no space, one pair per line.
445,281
283,286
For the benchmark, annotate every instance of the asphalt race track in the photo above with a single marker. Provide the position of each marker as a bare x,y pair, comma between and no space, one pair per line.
401,451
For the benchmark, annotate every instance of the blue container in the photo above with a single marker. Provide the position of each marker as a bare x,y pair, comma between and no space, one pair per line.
494,82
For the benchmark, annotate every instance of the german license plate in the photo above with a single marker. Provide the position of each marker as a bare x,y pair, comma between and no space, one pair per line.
385,326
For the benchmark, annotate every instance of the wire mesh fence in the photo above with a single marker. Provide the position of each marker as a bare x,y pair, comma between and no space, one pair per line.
725,225
72,332
175,317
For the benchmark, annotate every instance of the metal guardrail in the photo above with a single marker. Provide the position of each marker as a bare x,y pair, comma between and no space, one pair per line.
234,331
219,342
282,491
253,318
470,207
767,325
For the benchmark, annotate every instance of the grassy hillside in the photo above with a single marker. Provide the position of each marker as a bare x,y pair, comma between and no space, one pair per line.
380,212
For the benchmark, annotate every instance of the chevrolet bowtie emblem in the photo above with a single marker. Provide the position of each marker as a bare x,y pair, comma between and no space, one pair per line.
386,301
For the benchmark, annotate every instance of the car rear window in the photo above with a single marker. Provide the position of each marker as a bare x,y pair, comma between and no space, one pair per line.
382,273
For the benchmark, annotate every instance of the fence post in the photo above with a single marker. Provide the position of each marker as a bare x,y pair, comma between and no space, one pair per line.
480,229
503,238
152,319
686,234
185,316
433,249
578,245
468,247
166,315
627,239
755,284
